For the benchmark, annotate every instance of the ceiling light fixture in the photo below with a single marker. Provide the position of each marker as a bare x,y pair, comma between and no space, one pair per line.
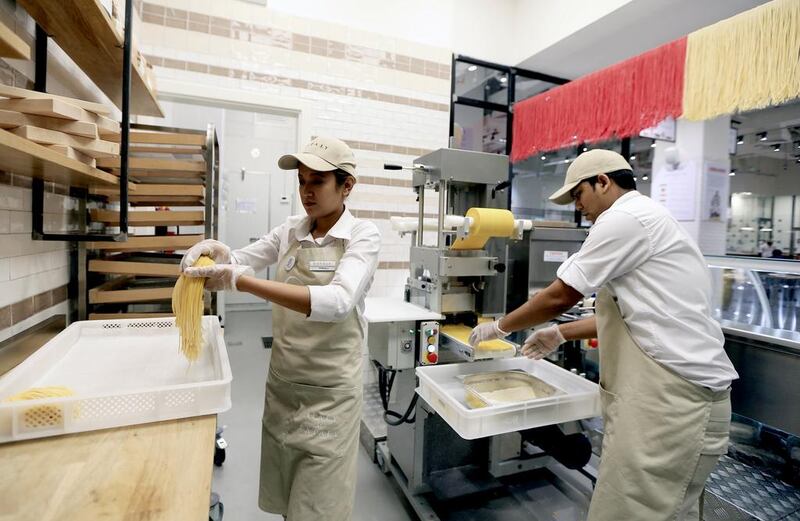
472,68
740,140
777,148
503,79
585,149
645,177
544,157
732,172
633,158
635,179
653,144
567,160
762,136
797,145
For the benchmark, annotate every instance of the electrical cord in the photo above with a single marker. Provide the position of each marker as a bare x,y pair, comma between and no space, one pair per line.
385,383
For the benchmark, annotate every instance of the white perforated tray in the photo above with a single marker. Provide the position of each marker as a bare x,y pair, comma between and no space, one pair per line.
442,387
123,372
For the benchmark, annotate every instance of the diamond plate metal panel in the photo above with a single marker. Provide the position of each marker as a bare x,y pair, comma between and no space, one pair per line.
753,492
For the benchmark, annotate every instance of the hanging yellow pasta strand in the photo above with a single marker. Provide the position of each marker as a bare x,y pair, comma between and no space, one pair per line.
743,63
187,304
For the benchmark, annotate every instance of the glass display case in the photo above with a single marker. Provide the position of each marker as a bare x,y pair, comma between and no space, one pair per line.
757,302
757,297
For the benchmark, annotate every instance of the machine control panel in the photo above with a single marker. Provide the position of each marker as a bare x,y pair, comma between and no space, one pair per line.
429,343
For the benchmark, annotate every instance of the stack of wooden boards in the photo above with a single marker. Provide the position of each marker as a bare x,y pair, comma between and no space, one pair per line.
78,129
134,279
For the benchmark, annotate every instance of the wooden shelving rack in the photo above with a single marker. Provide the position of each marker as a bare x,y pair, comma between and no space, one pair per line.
86,32
175,174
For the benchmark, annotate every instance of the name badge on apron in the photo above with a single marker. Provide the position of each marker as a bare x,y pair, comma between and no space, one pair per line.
322,265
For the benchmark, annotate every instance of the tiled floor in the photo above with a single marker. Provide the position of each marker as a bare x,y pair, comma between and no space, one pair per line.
377,497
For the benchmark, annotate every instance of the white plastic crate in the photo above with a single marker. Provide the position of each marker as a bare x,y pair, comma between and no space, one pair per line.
123,372
441,386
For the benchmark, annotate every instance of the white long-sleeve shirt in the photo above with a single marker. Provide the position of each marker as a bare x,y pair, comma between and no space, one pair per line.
638,251
353,276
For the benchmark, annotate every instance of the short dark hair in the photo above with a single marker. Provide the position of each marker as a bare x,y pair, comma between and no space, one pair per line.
341,176
622,178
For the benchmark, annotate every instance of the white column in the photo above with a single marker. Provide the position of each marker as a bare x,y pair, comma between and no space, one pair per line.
701,143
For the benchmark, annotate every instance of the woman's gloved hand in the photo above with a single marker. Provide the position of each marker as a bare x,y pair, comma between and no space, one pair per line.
220,277
219,253
543,342
485,332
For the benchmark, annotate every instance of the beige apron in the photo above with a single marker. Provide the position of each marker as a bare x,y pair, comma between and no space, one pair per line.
312,407
663,434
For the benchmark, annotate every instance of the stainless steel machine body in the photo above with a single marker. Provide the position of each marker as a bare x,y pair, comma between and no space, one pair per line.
432,464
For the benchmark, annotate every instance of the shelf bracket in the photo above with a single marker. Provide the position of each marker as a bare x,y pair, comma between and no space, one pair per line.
81,194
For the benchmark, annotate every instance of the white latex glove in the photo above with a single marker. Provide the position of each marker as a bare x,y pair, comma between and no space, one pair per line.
543,342
220,277
219,252
485,332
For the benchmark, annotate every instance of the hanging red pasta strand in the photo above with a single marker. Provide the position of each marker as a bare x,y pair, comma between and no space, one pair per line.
618,101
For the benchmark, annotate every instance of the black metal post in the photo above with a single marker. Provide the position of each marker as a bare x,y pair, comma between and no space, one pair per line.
126,123
511,95
452,99
40,65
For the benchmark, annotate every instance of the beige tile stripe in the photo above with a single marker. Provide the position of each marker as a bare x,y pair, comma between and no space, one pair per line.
394,265
26,308
380,214
384,181
274,37
273,79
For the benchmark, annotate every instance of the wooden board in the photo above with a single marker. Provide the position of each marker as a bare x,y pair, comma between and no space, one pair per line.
15,92
86,32
98,296
145,137
148,243
11,119
156,471
92,147
155,149
151,218
73,154
156,189
154,269
117,316
23,157
155,164
11,45
54,108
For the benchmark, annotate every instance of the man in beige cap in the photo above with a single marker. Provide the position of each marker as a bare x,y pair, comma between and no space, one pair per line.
326,262
664,374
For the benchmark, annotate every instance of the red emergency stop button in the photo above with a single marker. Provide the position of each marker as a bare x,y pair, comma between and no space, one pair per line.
593,343
432,357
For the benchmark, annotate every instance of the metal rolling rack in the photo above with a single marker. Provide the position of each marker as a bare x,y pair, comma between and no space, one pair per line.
135,279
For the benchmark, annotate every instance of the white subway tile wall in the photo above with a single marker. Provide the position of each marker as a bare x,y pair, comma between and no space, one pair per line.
389,99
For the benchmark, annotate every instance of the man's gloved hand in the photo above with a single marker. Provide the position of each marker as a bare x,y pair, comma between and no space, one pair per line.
542,342
220,277
485,332
219,252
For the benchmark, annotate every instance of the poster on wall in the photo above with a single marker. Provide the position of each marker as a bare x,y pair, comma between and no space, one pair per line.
676,188
716,185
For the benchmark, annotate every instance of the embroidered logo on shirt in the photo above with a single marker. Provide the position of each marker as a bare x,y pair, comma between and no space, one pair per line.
289,263
322,265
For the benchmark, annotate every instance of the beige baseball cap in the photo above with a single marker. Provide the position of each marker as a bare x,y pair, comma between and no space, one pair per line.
586,166
323,154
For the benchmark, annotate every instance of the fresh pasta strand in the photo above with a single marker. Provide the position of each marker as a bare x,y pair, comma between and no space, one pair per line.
187,304
36,393
43,415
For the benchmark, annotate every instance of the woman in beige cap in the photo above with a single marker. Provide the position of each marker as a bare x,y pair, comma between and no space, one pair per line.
326,262
664,375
